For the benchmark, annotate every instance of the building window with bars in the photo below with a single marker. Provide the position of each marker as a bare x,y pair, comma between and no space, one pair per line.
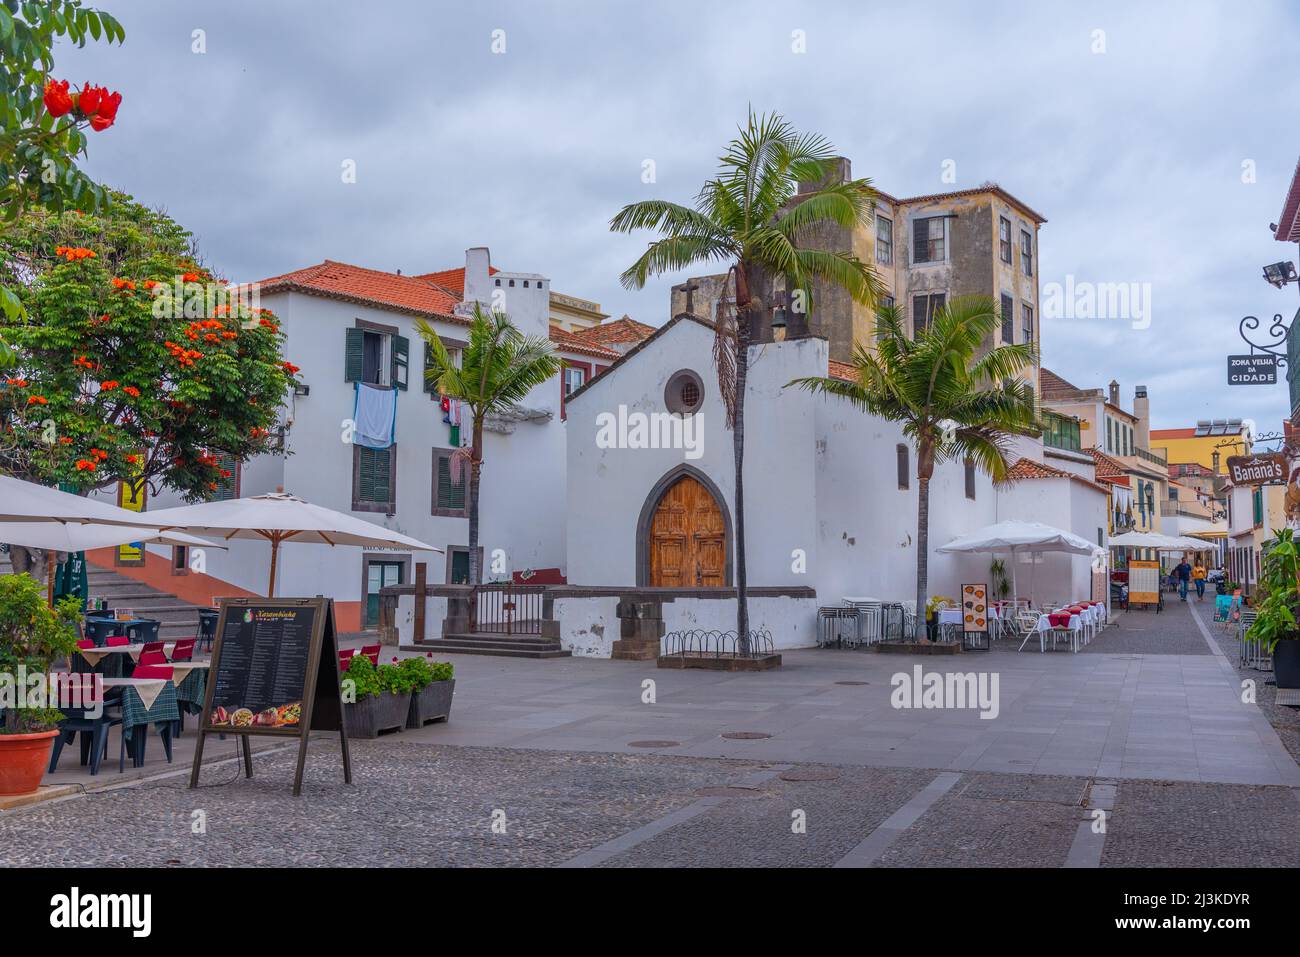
374,479
924,308
448,495
1004,239
928,240
884,241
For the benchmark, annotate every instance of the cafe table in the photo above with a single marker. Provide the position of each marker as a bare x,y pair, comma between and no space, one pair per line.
191,681
146,701
93,656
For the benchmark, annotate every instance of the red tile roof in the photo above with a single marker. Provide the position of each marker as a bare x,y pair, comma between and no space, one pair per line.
841,370
1172,433
1050,383
1029,469
566,341
1288,224
1109,469
620,331
453,280
369,287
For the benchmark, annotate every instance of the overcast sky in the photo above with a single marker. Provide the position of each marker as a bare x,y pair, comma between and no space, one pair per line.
1134,155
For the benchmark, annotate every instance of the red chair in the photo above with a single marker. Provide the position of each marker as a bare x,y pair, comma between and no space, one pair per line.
184,650
371,652
84,643
345,657
153,671
116,641
152,654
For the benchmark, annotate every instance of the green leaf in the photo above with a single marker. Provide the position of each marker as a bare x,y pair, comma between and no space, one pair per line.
6,24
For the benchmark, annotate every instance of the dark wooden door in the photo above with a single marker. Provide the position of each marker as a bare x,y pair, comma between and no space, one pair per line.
688,538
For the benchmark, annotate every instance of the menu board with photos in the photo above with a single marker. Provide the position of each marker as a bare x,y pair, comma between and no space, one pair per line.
974,608
274,671
259,679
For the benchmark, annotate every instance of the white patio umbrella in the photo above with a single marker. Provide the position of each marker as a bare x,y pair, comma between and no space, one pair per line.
279,517
72,537
28,502
1016,538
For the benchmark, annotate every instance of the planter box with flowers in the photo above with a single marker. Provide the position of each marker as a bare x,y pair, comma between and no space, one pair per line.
374,699
434,686
32,636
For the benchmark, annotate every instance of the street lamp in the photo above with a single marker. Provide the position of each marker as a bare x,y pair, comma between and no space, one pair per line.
1279,274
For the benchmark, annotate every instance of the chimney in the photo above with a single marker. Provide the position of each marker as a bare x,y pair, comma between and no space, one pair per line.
1113,398
478,262
1142,409
841,172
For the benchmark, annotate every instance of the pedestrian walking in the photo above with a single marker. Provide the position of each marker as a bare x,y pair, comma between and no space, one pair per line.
1198,579
1183,573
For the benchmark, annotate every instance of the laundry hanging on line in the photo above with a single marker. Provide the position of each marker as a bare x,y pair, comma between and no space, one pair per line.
374,411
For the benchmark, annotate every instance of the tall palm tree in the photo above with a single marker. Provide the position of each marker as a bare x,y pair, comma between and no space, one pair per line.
952,402
747,216
498,368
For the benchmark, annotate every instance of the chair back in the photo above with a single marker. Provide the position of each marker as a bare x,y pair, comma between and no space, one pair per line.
184,650
76,692
153,671
145,631
116,641
371,652
99,629
152,654
84,643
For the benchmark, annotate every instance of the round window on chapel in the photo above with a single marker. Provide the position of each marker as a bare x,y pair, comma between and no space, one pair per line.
684,393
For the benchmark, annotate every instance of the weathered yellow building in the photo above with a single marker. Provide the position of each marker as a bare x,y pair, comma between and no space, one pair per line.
1208,444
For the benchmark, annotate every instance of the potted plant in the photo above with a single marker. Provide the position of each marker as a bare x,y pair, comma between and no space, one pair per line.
434,686
1277,602
32,637
378,699
1001,584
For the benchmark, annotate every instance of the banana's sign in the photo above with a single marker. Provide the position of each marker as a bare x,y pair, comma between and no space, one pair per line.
1264,469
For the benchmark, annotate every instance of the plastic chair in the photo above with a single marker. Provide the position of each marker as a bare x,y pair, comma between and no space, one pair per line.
183,650
77,720
117,641
145,632
371,652
84,643
151,654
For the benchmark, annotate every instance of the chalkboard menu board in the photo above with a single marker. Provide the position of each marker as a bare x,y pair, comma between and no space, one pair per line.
263,668
274,671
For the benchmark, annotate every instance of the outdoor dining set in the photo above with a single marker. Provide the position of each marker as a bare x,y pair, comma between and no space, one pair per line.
144,682
864,622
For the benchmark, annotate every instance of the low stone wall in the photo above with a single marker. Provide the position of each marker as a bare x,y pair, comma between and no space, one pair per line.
604,622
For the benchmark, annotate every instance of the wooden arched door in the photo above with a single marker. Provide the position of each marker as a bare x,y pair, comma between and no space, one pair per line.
687,539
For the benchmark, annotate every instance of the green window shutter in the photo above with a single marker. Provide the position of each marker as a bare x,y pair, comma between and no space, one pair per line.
450,496
354,355
401,361
429,386
375,476
226,485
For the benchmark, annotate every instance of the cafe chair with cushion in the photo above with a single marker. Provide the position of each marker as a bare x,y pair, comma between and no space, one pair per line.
152,654
183,650
93,730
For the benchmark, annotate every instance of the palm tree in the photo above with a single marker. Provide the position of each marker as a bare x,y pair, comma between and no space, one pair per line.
951,401
498,368
748,217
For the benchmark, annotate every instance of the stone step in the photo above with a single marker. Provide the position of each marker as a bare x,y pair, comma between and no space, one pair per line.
444,647
491,636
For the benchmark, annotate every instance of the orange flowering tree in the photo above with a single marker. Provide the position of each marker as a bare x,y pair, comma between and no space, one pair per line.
134,361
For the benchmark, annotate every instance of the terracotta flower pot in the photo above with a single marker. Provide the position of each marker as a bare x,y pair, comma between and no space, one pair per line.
23,760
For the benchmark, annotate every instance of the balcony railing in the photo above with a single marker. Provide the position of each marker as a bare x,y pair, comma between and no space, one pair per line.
1150,456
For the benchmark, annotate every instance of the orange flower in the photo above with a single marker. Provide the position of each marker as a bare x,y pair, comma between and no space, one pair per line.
83,362
20,383
73,252
64,440
109,385
84,465
132,391
190,277
123,284
132,459
37,400
57,98
290,368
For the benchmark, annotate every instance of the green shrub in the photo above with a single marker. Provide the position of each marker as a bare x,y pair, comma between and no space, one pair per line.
34,635
365,676
424,672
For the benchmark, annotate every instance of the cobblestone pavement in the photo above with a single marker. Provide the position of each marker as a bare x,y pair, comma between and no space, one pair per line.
1146,632
433,805
1285,720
